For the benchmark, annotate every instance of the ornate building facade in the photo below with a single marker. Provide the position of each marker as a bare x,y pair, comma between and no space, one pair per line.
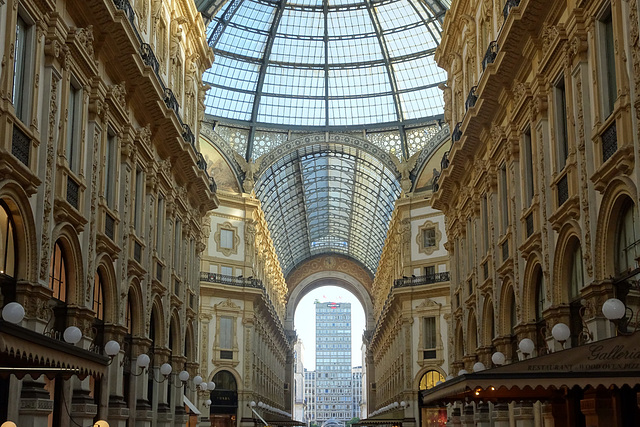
408,349
102,195
539,188
244,349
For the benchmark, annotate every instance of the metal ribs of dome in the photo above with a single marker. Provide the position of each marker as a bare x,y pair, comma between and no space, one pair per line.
311,63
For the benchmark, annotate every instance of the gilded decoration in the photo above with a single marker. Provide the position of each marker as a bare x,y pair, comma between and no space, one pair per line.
236,239
428,250
329,263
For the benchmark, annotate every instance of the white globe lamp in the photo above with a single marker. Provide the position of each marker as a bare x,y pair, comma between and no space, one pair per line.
526,346
183,376
13,313
143,360
111,348
613,309
197,380
498,358
165,369
72,335
478,366
560,332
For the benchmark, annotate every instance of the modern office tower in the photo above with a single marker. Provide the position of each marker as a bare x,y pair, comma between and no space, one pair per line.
333,361
356,391
310,411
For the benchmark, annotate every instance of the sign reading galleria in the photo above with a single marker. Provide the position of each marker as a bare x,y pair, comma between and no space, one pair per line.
597,357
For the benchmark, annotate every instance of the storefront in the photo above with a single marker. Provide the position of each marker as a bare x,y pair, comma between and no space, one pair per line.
595,384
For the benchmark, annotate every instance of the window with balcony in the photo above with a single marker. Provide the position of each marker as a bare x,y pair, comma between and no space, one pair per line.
527,161
110,178
504,199
138,202
560,118
74,126
22,67
606,62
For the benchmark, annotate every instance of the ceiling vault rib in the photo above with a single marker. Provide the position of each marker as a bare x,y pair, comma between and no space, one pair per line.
224,22
392,76
263,71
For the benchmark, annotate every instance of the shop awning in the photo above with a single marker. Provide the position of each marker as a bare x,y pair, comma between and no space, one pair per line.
283,422
191,406
606,363
390,419
26,352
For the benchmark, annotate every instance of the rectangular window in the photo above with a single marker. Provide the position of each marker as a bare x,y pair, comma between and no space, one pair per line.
137,212
226,271
560,116
22,67
429,333
485,223
110,178
430,271
470,245
177,246
527,161
226,333
160,225
226,239
607,62
504,200
429,237
74,114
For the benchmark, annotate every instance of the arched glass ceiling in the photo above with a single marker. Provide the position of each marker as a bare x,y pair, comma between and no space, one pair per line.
321,63
328,198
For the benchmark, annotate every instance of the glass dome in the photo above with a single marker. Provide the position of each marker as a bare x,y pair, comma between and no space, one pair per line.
324,64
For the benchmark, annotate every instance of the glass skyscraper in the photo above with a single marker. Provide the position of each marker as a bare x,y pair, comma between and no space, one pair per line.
334,388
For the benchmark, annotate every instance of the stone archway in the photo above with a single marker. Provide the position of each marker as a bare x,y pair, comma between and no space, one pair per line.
329,270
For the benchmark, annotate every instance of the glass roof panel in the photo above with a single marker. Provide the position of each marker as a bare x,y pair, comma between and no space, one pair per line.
361,111
352,50
327,198
281,110
352,53
241,42
421,71
414,102
290,81
358,81
233,74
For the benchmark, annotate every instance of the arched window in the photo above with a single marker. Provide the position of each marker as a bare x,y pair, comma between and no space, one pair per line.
7,242
627,239
429,379
513,318
127,317
58,274
98,297
540,299
225,381
576,279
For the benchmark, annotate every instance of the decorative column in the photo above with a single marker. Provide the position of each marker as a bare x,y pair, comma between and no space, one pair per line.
554,414
523,414
467,416
598,409
482,418
454,419
501,415
35,405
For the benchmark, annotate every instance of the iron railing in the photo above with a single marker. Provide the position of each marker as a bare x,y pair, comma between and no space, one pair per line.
472,98
223,279
490,55
563,190
609,141
20,145
457,133
73,192
422,280
510,4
